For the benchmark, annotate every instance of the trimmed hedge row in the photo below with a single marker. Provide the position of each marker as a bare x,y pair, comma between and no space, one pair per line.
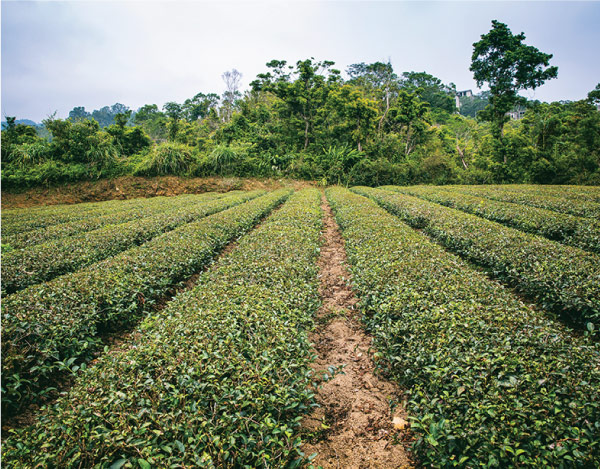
46,261
489,381
151,207
585,193
47,328
575,231
219,378
560,277
27,219
558,204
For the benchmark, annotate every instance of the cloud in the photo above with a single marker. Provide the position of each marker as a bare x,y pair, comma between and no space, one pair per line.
57,55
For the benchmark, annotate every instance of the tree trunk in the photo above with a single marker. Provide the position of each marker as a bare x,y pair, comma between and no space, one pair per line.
387,108
306,134
462,156
407,147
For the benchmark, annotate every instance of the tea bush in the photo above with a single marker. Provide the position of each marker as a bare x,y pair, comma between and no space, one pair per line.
219,378
575,231
46,261
579,208
562,278
489,381
144,209
52,327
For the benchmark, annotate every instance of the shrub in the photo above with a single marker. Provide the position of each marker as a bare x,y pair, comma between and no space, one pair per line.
488,381
561,278
219,378
575,231
53,327
167,159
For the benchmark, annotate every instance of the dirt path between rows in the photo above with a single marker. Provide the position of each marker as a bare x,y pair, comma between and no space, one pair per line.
354,427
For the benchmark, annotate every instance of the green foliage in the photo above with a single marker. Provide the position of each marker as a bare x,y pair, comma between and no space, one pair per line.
488,381
221,377
431,90
56,257
589,208
30,154
471,105
404,125
77,150
568,229
594,95
221,159
336,163
70,312
167,159
152,121
507,65
302,94
66,223
129,141
561,278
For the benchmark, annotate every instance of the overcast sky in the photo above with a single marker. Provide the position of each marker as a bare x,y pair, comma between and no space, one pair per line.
58,55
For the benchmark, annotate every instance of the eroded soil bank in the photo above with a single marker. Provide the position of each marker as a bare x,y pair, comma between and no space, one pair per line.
354,427
131,187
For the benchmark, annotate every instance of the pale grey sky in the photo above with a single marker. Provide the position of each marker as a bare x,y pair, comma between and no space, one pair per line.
58,55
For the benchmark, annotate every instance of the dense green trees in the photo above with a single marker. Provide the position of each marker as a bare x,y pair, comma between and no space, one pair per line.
471,105
508,66
306,121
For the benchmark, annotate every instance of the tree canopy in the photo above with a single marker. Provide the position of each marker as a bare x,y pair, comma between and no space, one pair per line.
507,65
305,120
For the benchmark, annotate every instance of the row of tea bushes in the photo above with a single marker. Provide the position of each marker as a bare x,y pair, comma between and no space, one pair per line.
51,327
219,378
584,193
575,231
46,261
550,202
32,218
562,278
151,207
489,381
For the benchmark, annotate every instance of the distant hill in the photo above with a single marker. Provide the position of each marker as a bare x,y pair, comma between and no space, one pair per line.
24,122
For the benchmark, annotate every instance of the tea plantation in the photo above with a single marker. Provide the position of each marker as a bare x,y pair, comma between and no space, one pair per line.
175,331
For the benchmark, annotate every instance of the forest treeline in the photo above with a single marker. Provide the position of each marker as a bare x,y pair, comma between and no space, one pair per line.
306,121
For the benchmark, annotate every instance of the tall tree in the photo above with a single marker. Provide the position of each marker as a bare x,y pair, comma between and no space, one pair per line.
105,116
380,83
232,81
303,91
408,119
174,111
78,114
431,90
462,131
508,66
358,111
594,96
199,106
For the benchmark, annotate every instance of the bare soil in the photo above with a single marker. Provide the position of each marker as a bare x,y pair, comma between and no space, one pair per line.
355,425
131,187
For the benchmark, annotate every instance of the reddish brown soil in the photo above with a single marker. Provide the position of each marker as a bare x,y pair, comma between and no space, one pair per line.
130,187
353,427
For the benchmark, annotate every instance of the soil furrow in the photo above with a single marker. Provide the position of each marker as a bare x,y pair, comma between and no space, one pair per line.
355,425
